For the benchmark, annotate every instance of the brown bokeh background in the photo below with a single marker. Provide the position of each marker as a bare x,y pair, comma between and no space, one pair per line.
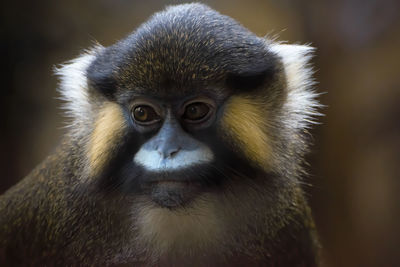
355,162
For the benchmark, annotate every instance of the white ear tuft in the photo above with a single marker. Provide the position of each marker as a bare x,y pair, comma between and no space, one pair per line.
74,87
301,105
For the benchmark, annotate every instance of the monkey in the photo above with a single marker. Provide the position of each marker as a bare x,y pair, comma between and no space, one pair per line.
185,145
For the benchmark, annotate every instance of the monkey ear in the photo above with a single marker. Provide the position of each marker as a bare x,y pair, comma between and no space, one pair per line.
252,76
73,85
301,104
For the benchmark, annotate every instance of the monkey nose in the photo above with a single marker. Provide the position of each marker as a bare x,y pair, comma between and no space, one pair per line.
168,152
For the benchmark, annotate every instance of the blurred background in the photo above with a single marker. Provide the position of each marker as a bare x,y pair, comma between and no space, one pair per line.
355,162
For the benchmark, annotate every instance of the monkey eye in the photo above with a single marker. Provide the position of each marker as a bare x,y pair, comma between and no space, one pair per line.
196,112
145,114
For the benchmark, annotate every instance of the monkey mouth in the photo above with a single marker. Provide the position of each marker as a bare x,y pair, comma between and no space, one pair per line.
168,189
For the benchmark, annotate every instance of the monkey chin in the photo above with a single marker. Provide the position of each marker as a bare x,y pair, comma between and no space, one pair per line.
174,194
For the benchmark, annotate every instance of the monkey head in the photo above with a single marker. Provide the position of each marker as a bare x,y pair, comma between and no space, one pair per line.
193,110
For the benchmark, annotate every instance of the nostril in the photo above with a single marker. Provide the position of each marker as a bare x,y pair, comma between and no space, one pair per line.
172,152
168,152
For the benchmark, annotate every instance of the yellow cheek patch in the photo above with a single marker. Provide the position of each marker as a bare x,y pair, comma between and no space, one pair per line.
244,121
108,131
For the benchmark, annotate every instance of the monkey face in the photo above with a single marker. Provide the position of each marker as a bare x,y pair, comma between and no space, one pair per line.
176,148
174,165
187,138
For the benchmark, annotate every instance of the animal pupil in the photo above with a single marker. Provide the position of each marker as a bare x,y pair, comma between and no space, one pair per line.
140,113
